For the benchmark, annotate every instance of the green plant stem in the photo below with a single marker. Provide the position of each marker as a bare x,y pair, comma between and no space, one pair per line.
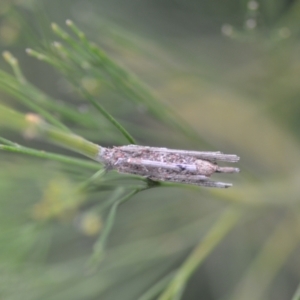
157,287
99,246
34,127
70,73
33,107
84,185
11,86
297,294
24,86
70,141
109,117
15,66
264,267
217,233
8,142
51,156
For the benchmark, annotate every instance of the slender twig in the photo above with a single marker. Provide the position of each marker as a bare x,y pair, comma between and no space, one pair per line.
46,155
24,86
99,246
217,233
265,266
157,287
296,296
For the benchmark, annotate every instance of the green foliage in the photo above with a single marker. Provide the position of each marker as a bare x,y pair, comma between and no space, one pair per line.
69,229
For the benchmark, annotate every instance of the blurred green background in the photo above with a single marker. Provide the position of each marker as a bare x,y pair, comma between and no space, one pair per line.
230,70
